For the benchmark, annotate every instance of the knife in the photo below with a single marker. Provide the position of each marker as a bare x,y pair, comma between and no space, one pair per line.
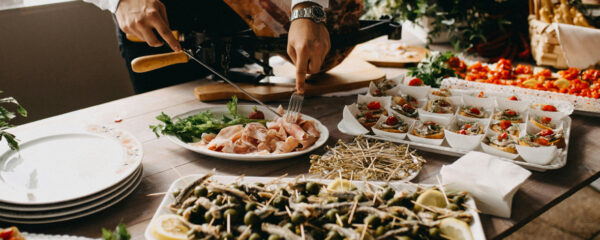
230,82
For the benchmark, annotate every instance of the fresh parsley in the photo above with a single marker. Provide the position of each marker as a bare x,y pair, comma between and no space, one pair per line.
433,69
120,233
5,117
190,129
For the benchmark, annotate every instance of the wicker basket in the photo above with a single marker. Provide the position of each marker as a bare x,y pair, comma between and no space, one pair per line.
545,46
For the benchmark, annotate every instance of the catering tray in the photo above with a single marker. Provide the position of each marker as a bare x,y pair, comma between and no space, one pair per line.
476,227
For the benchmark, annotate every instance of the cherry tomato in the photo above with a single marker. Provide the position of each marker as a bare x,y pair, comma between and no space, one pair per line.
546,120
391,120
415,82
546,132
467,126
463,132
505,124
257,115
549,108
502,136
475,111
513,98
374,105
542,141
511,112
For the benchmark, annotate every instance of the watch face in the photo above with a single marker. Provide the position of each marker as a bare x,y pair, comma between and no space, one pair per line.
318,12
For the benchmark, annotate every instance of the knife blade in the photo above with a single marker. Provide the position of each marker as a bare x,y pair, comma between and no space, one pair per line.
231,83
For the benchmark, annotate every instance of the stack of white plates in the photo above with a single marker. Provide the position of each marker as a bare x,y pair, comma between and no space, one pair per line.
64,176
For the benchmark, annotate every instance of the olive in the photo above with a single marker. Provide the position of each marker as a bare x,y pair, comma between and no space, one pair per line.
233,214
333,235
298,218
176,192
280,202
208,217
434,232
301,198
180,211
218,201
312,188
459,200
397,201
251,218
388,193
300,187
403,238
285,193
251,206
331,214
254,236
226,235
360,197
234,200
274,237
372,220
380,230
200,191
452,206
289,226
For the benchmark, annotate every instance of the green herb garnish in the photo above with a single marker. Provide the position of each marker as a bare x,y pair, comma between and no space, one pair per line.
5,117
190,129
120,233
433,69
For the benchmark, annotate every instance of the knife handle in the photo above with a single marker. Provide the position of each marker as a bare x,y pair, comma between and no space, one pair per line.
153,62
136,39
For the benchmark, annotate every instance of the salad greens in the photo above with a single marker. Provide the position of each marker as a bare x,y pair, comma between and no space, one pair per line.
191,128
120,233
433,69
5,117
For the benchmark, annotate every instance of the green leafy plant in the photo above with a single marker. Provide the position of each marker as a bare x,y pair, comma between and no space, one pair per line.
5,117
190,129
120,233
433,69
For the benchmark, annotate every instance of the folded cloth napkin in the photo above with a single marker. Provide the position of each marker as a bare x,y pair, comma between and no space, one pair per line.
492,182
579,45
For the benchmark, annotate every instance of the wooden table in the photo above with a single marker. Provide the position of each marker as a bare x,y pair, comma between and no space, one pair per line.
539,193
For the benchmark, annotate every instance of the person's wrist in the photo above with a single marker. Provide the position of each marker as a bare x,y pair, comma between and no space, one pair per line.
313,19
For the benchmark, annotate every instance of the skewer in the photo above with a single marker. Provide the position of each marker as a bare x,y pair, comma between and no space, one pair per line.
155,194
302,232
228,223
442,189
362,235
353,210
339,220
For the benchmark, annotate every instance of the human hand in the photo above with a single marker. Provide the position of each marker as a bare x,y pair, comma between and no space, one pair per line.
308,44
140,17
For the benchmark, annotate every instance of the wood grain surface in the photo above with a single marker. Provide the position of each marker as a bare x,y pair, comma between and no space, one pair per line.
539,193
383,52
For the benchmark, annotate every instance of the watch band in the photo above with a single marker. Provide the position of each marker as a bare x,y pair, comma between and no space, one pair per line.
316,13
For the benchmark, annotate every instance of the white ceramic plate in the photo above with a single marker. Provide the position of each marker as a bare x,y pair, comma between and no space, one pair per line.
476,228
105,205
71,210
68,166
246,110
37,236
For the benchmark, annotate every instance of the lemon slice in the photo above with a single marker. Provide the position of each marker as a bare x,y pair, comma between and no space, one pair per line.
169,227
562,83
431,197
455,229
340,185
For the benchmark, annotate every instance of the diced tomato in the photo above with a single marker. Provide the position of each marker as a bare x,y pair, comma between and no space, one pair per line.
505,124
481,95
513,98
391,120
549,108
475,111
542,141
502,136
546,120
467,126
6,234
511,112
522,69
415,82
463,132
374,105
569,74
546,132
591,75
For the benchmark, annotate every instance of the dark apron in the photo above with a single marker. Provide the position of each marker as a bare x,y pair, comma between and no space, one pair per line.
212,16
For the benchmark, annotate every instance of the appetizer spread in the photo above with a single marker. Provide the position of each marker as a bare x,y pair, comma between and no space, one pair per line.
470,128
474,112
428,129
544,107
382,86
441,105
505,126
546,137
406,109
542,122
370,113
394,125
503,142
509,115
302,209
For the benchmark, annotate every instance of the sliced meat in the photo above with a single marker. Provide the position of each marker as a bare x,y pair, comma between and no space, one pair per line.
289,145
225,139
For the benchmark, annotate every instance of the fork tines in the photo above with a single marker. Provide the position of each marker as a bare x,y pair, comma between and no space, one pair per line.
294,108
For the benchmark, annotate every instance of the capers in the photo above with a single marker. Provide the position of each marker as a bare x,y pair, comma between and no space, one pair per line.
388,193
331,214
380,230
434,232
372,221
251,218
301,198
274,237
250,206
280,202
333,235
233,214
200,191
452,206
312,188
254,236
298,218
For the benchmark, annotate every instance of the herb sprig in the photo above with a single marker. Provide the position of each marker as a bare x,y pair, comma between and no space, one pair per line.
433,69
120,233
5,117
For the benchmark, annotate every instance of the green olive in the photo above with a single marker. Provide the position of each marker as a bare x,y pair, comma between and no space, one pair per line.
360,197
234,200
331,214
274,237
301,198
200,191
380,230
434,232
280,202
251,218
372,221
285,193
333,235
176,192
388,193
226,235
251,206
254,236
233,214
298,218
312,188
208,216
452,206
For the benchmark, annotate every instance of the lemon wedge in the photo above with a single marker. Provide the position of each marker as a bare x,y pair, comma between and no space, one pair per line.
169,227
455,229
562,83
340,185
431,197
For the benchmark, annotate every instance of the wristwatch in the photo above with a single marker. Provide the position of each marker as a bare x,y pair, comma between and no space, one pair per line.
315,12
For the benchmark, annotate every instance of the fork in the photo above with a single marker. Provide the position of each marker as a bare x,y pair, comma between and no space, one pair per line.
294,107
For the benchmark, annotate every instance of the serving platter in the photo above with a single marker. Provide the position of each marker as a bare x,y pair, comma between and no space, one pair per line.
67,166
246,110
475,227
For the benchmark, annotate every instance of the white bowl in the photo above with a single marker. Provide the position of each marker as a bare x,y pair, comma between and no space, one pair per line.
537,155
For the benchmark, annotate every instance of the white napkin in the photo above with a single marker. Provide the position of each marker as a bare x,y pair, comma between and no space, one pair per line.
579,45
491,181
